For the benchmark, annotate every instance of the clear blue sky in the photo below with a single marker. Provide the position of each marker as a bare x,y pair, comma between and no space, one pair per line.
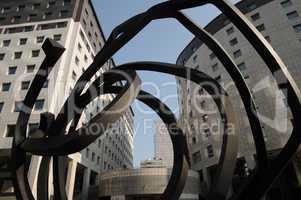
161,41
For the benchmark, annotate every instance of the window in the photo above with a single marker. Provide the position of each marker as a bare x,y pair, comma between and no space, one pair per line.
23,41
1,106
86,58
20,8
255,17
195,58
6,43
207,132
32,128
46,84
18,106
73,75
5,9
212,56
87,153
30,68
215,67
39,104
86,11
28,28
79,47
10,130
237,54
66,2
297,28
12,70
85,23
260,27
61,24
196,157
76,60
50,3
40,39
210,151
57,37
230,31
64,13
35,53
98,160
91,24
292,15
252,6
25,85
31,16
6,87
233,42
18,55
36,6
242,66
15,19
2,55
93,156
47,15
286,3
218,79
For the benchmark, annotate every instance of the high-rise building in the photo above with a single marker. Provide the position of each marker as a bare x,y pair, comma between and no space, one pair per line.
24,25
163,145
279,22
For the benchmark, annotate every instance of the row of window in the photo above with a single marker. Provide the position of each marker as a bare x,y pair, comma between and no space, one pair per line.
18,54
47,26
6,86
34,6
197,157
93,156
23,41
18,106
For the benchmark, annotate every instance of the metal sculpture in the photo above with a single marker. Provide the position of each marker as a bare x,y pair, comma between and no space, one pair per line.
57,143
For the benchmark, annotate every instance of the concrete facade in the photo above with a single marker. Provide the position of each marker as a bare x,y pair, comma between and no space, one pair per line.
279,22
24,25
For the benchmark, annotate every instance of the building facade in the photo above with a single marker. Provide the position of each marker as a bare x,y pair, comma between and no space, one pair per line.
163,145
24,25
279,22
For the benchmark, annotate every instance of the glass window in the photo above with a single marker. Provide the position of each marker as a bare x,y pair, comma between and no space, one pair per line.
86,58
230,31
286,3
76,60
215,67
20,7
210,151
212,56
255,17
6,43
195,58
1,106
12,70
30,68
25,85
50,3
35,53
79,47
46,84
18,55
2,55
6,87
23,41
297,28
237,54
292,15
242,66
73,75
10,130
18,106
233,42
57,37
39,104
260,27
36,6
40,39
93,156
87,153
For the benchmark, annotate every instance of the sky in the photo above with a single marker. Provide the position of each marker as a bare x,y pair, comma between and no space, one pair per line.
162,41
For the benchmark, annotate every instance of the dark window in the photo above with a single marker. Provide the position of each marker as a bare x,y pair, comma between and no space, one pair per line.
73,75
207,132
297,28
218,79
237,54
15,18
286,3
260,27
79,47
2,55
255,17
50,3
18,106
57,37
10,130
25,85
67,2
35,53
6,87
242,66
76,60
87,153
196,157
46,84
195,57
36,6
292,15
233,42
47,15
30,68
39,105
64,13
61,24
252,6
1,106
212,56
210,151
12,70
214,67
29,28
86,58
20,8
6,43
18,55
40,39
230,31
86,11
23,41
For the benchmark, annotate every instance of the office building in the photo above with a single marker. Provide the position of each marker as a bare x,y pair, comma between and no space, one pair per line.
24,25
